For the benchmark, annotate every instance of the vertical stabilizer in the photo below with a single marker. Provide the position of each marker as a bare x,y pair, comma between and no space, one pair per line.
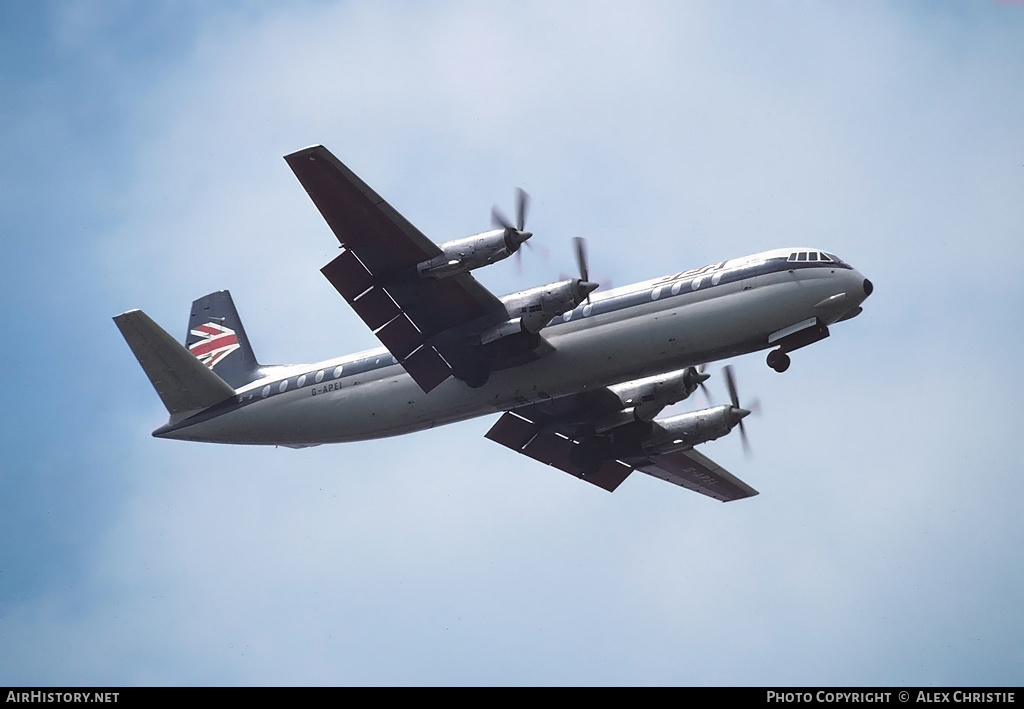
217,338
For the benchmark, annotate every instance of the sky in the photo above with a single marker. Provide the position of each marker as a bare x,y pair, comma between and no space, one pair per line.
142,168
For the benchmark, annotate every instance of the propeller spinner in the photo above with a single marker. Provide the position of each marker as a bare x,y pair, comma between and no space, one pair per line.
515,235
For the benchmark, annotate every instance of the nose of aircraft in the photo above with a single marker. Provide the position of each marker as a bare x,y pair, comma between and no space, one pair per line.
857,287
845,304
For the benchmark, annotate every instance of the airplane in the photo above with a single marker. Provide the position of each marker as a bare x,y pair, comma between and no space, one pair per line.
578,377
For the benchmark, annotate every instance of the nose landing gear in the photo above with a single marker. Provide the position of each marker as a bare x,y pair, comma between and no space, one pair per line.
794,337
778,360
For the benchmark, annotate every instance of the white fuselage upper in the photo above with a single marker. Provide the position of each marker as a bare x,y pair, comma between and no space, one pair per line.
666,324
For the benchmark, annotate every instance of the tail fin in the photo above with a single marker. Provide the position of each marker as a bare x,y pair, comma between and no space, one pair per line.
181,380
217,338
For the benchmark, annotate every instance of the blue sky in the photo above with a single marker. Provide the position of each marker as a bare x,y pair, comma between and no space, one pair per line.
142,168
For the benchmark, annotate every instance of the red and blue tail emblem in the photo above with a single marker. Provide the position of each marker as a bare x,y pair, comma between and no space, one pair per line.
216,342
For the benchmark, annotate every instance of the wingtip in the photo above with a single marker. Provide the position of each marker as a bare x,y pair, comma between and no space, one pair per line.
121,316
307,151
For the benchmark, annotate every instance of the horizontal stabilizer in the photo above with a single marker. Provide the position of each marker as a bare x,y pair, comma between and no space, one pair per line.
183,383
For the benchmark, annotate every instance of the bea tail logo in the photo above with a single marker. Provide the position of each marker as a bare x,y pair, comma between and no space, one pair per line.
216,342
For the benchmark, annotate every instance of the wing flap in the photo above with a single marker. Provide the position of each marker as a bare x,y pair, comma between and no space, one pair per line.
400,336
376,308
512,431
393,327
348,275
554,449
427,367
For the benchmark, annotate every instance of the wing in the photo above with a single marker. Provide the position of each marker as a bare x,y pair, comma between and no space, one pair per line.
376,271
696,472
550,432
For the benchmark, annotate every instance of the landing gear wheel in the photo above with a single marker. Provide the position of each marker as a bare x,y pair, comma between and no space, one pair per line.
778,360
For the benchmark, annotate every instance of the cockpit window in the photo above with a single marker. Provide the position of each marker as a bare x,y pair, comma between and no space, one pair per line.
819,256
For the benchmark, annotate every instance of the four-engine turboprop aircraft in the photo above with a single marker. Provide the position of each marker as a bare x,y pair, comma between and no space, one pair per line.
579,379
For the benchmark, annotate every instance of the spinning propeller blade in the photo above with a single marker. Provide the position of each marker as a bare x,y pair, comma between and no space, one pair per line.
740,412
522,204
581,261
515,234
581,256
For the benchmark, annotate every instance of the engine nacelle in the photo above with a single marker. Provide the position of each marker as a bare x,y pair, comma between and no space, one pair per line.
688,430
532,309
645,398
472,252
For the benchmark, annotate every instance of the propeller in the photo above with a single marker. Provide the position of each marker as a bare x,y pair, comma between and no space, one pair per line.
581,256
739,413
522,204
580,245
515,234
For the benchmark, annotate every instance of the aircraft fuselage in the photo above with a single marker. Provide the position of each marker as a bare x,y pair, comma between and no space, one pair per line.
685,319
